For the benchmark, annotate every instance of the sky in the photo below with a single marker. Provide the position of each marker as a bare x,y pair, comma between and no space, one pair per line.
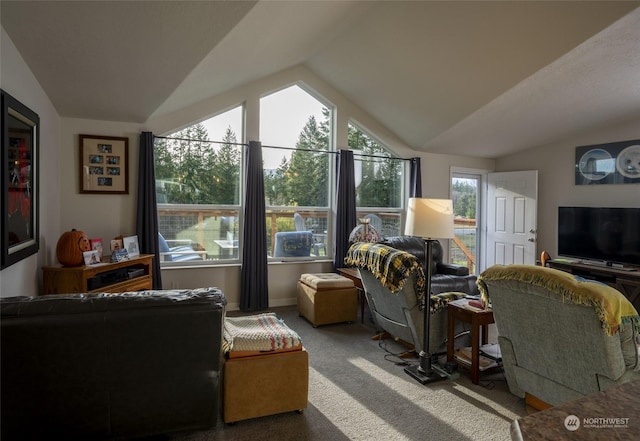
283,114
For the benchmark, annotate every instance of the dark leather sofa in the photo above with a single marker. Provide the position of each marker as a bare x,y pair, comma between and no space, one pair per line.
446,277
110,366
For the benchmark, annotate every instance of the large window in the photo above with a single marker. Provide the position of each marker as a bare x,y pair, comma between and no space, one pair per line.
198,176
295,129
379,183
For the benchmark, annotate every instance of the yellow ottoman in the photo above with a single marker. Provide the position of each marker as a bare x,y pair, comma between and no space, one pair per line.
327,298
266,369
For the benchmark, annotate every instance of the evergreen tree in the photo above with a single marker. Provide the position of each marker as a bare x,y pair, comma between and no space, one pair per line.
275,187
381,177
226,171
306,183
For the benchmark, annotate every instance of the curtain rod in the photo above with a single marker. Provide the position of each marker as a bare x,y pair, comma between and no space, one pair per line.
355,152
200,140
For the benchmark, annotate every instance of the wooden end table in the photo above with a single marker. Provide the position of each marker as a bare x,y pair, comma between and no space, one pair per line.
480,321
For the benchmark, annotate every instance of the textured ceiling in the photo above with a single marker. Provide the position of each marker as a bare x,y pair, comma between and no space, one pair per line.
474,78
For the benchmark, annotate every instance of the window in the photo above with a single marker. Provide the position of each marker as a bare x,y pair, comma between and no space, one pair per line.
379,183
296,130
464,245
198,191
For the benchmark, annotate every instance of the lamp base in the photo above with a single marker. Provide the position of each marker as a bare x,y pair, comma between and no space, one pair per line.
426,377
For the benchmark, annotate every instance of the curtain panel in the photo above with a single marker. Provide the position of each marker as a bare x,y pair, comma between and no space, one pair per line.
147,207
415,179
254,288
346,219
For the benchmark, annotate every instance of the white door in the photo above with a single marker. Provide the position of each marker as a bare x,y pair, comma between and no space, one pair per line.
511,218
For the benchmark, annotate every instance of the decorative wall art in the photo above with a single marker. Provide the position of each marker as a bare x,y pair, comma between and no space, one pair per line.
612,163
104,164
19,176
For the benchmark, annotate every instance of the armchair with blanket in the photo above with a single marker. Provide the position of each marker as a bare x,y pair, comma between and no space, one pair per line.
446,277
394,285
561,337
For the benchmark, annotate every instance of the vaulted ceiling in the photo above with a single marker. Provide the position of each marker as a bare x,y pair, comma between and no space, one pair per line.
475,78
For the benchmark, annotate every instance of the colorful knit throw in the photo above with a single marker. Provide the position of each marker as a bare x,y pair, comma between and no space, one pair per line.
263,332
612,307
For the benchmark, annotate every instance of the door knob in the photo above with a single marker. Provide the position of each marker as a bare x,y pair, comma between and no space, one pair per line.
531,239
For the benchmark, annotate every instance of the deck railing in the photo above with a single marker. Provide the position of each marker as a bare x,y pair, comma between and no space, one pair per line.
214,230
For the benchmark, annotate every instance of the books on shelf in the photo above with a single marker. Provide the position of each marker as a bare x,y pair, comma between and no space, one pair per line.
463,355
470,304
492,351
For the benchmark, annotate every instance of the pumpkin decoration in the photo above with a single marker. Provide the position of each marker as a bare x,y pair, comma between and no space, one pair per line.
70,247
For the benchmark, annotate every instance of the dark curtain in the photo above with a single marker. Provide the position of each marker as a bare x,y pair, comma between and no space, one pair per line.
254,289
415,179
147,209
346,218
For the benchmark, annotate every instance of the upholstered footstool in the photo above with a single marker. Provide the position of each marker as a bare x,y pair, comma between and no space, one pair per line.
327,298
266,368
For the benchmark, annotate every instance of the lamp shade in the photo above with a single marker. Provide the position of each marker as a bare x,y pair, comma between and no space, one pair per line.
430,218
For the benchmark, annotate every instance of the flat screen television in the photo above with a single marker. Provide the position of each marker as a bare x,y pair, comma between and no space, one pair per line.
609,235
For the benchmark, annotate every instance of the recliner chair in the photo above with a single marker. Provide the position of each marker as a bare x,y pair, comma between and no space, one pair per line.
446,277
561,337
390,279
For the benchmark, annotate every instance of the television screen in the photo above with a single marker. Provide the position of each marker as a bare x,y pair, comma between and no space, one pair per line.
611,235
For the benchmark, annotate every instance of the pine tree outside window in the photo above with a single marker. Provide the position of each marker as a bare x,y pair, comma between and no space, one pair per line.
380,182
297,176
198,175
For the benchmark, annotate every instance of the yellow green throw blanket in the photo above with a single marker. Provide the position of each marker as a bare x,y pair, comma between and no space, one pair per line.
389,265
612,307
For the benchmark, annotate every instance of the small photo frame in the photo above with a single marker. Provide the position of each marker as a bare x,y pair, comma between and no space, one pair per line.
116,244
96,244
104,164
92,257
119,255
130,244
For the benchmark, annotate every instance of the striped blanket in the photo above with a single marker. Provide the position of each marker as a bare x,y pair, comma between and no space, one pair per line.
258,333
389,265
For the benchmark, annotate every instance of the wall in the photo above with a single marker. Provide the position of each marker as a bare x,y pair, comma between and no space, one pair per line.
556,180
25,277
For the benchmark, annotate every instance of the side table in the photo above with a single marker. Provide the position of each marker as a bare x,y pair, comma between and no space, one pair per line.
480,321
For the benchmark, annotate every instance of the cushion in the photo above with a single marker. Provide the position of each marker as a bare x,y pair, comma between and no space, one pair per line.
321,281
293,244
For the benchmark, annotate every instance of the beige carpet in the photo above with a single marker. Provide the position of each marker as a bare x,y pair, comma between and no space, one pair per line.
358,392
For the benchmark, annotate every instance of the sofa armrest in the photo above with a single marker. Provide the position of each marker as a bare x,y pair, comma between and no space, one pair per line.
452,269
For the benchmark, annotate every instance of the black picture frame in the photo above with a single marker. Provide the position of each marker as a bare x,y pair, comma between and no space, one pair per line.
20,181
610,163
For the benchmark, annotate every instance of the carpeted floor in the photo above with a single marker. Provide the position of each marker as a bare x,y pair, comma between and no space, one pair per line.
357,391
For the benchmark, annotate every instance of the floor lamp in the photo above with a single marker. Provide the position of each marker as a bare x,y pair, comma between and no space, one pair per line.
428,219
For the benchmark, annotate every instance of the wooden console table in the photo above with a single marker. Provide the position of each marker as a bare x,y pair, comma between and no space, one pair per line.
627,282
134,274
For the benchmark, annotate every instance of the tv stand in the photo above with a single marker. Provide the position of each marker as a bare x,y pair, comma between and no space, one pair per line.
626,279
134,274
